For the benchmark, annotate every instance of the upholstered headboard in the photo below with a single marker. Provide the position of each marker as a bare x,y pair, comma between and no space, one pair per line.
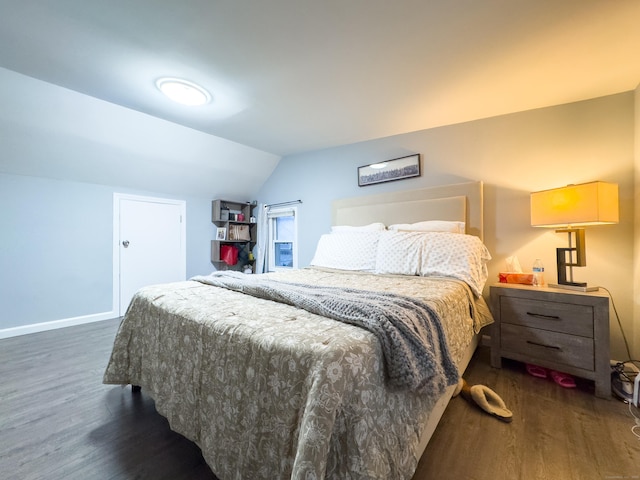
457,202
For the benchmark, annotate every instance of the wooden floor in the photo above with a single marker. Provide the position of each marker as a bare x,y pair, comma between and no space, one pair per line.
556,433
57,421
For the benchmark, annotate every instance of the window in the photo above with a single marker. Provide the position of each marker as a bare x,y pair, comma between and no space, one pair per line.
283,235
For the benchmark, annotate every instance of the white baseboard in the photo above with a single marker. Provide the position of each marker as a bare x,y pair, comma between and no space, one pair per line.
66,322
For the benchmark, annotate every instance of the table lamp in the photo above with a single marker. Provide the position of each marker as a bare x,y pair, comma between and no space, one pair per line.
568,209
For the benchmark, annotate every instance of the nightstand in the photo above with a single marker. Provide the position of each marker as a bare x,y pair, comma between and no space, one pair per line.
562,330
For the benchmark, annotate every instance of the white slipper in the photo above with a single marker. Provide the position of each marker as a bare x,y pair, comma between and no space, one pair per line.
487,400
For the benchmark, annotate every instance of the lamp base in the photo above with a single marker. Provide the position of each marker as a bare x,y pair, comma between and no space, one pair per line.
576,288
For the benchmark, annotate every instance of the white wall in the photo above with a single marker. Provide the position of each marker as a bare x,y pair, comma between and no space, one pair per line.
62,156
635,334
58,133
56,251
514,155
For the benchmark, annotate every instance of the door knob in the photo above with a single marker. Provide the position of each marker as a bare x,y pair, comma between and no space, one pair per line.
125,243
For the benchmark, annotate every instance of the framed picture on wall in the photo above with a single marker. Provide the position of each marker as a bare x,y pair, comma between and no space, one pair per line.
221,233
396,169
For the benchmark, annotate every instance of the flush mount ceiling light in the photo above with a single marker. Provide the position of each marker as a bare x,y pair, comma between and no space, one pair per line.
183,91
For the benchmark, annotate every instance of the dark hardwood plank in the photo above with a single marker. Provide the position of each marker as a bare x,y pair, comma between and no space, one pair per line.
57,420
556,433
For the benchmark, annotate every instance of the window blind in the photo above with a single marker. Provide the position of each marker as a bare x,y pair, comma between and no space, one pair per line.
281,212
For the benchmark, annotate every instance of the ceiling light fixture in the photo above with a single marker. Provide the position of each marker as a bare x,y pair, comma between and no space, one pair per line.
183,91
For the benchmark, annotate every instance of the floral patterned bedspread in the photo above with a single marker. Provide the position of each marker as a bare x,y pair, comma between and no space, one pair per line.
269,391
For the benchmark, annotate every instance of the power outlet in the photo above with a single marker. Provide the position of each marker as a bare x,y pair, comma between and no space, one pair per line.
636,390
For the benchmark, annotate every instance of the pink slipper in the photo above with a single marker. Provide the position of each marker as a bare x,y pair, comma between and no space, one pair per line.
536,371
563,379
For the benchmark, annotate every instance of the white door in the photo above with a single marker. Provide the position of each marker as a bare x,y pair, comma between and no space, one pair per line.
150,243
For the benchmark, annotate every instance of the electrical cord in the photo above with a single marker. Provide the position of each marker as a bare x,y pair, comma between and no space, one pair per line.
619,367
624,336
637,425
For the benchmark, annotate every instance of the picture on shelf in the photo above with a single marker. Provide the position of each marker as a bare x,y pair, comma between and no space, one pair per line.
221,233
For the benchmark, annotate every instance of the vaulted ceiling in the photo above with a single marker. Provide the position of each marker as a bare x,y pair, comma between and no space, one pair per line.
289,76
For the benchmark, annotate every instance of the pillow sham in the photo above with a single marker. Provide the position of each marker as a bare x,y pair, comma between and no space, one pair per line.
349,250
453,255
430,226
372,227
399,252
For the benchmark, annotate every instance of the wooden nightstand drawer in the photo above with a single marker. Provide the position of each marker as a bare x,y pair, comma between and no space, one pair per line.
547,346
558,329
554,316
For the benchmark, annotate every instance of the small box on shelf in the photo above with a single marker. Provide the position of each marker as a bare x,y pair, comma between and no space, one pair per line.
239,233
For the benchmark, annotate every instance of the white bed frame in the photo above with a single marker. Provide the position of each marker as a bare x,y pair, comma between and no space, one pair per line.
458,202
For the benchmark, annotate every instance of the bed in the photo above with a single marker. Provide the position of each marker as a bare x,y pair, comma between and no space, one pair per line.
273,390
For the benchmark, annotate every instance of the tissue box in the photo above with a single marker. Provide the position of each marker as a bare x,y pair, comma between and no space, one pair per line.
511,277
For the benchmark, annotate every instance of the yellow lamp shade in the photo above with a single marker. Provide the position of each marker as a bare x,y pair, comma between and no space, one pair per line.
591,203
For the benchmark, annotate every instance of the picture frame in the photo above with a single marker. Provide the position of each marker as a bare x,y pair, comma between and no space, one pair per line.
221,233
390,170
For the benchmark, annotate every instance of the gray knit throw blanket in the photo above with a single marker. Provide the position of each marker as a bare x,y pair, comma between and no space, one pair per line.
410,332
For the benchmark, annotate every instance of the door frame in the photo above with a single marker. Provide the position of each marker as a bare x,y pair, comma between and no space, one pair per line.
117,198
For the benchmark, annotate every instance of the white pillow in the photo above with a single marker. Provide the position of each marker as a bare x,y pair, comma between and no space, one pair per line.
399,252
460,256
372,227
430,226
351,250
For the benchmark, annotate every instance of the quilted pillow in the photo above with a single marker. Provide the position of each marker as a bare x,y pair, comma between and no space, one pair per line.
430,226
399,252
460,256
349,250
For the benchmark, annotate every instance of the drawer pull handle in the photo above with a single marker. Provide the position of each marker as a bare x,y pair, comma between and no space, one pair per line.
553,347
540,315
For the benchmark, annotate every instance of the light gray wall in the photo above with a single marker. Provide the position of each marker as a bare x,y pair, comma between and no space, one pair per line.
56,247
55,255
514,155
55,132
319,177
635,340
